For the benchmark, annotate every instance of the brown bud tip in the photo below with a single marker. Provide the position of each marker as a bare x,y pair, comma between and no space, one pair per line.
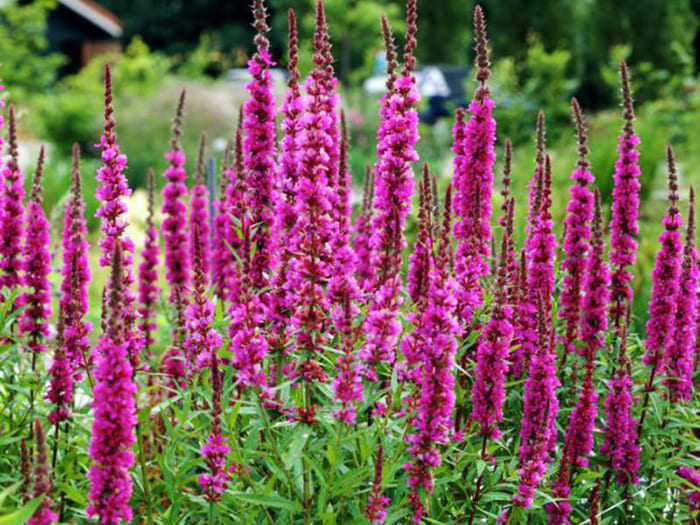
177,121
482,50
390,50
541,142
36,181
627,102
293,48
507,167
672,176
200,159
411,42
690,228
581,135
12,134
260,23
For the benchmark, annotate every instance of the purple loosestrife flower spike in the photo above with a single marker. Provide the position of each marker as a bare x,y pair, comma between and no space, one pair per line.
148,271
223,260
541,243
488,391
377,503
473,182
665,277
60,388
692,490
363,233
114,411
343,292
43,486
625,207
535,184
215,482
199,211
578,441
11,213
620,439
75,274
177,263
538,431
577,233
37,266
248,343
433,421
507,169
397,137
25,471
419,261
201,339
316,227
111,192
679,357
259,148
524,321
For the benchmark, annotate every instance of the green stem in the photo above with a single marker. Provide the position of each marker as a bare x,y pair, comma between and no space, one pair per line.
142,461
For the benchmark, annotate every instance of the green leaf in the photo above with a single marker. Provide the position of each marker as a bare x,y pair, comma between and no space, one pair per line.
20,516
268,500
295,447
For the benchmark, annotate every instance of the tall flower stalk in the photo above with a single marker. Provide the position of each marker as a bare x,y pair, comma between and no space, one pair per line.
259,149
177,262
473,182
111,192
148,271
199,212
114,411
433,422
43,485
679,357
36,262
624,226
577,234
11,213
75,275
397,137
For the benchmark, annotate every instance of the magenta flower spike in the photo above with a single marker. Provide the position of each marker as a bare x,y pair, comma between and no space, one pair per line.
435,399
75,274
248,343
419,262
201,339
111,192
221,223
259,149
114,411
342,292
397,136
363,234
199,212
535,184
36,262
148,271
177,261
620,438
542,243
174,361
215,481
538,431
289,159
377,503
692,492
578,441
473,182
43,485
11,213
665,278
680,353
577,234
488,391
524,321
624,226
59,390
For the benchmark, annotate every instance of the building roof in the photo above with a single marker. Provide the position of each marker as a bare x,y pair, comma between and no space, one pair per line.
95,14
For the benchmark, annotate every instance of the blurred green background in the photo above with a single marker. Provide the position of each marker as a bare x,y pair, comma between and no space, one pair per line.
543,51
